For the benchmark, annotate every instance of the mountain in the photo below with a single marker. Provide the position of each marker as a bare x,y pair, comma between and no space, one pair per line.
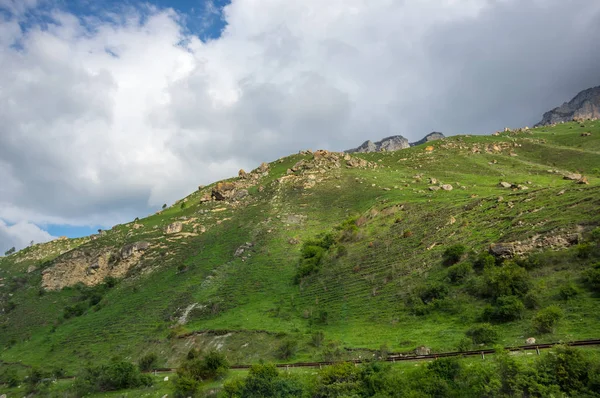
585,105
393,143
389,144
325,256
429,137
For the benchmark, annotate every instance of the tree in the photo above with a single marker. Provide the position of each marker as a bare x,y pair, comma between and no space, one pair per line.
164,206
10,251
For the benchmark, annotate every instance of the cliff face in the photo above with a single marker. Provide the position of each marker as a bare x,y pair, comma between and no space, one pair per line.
585,105
388,144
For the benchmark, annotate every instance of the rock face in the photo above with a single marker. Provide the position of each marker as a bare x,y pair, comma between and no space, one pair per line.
388,144
174,228
585,105
92,267
429,137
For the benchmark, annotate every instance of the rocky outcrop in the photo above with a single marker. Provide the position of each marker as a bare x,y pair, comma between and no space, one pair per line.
92,267
511,249
429,137
585,105
174,228
388,144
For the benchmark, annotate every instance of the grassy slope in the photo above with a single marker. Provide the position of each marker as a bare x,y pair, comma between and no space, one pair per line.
361,292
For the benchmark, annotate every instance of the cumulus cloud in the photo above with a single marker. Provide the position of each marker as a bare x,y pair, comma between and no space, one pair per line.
104,118
21,235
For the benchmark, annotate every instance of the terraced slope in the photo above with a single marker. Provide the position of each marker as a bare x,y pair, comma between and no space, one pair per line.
219,269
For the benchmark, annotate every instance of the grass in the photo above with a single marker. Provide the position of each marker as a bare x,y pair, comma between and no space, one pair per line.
251,300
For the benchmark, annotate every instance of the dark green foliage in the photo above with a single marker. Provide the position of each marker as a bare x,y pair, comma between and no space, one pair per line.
585,250
454,253
185,386
311,254
531,300
343,379
445,368
483,333
459,272
426,297
591,277
595,235
507,280
164,206
432,291
287,349
148,362
117,375
567,368
75,310
10,251
37,381
568,291
464,344
9,376
546,320
196,369
505,309
484,260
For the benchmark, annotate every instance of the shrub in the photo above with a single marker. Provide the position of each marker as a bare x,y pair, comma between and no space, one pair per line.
454,253
531,300
213,365
584,250
546,320
332,352
565,367
464,344
10,251
484,260
591,277
339,380
568,291
148,362
483,334
595,235
287,349
75,310
261,381
116,375
185,386
505,309
445,368
458,272
508,280
432,291
317,339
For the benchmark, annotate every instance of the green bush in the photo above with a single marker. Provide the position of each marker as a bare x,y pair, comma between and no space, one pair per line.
454,253
445,368
483,334
568,291
585,250
184,386
464,344
505,309
591,277
317,338
213,365
484,260
546,320
460,271
148,362
311,254
9,376
116,375
531,300
287,349
567,368
508,280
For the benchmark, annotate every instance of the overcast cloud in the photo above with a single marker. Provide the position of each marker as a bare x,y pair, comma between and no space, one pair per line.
105,119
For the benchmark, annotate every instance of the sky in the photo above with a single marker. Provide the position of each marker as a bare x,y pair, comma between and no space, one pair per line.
108,109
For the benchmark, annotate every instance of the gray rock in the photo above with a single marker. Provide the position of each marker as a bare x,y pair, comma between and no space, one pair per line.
429,137
447,187
129,250
502,250
242,193
505,184
387,144
422,350
585,105
572,176
530,340
174,228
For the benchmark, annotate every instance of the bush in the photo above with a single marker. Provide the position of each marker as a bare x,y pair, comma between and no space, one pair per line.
484,260
184,386
445,368
568,291
148,362
432,291
10,377
116,375
454,253
591,277
459,272
546,320
483,334
213,365
565,367
287,349
508,280
584,250
531,300
317,338
505,309
464,344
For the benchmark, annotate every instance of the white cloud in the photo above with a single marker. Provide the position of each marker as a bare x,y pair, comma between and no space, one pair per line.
102,120
20,235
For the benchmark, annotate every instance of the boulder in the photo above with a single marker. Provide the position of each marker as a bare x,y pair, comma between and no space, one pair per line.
223,190
263,168
243,248
242,174
447,187
356,162
422,350
583,180
242,193
530,340
505,184
502,250
174,228
572,176
434,188
129,250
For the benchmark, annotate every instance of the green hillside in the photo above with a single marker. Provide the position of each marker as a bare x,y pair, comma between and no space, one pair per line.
362,251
